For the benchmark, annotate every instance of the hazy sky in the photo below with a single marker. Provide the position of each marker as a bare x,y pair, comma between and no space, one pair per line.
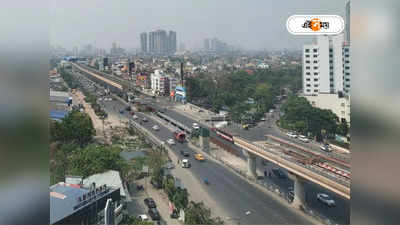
251,24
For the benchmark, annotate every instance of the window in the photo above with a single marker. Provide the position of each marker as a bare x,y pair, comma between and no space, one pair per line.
315,56
307,73
307,56
331,85
307,50
330,61
315,50
343,113
347,80
331,73
330,55
347,74
315,67
308,61
347,55
308,79
316,90
315,74
315,79
315,85
346,50
331,79
308,90
315,61
347,61
331,67
330,50
342,104
307,67
308,85
347,86
347,67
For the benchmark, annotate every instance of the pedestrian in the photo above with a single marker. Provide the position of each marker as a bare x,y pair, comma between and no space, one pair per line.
178,161
265,173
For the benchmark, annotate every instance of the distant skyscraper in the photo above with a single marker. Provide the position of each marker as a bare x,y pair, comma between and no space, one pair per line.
207,44
161,43
172,42
182,47
348,21
143,41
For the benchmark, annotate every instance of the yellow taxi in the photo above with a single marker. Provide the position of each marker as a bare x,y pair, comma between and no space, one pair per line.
199,157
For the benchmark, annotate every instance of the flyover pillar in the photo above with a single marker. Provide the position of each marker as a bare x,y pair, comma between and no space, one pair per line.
299,199
251,164
204,139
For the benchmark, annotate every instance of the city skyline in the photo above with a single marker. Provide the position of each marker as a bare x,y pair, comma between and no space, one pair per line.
257,26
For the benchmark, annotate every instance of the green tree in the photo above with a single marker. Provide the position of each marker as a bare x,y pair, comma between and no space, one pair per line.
343,128
96,159
197,213
75,127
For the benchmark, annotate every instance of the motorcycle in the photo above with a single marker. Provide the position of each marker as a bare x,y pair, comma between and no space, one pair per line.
139,187
206,181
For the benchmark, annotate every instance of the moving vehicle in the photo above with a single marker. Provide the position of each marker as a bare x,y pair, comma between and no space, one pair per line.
121,111
195,126
326,199
303,138
134,117
184,153
185,163
206,181
292,135
169,165
153,212
171,141
143,217
155,127
150,203
279,173
179,136
199,157
326,148
144,119
156,184
128,108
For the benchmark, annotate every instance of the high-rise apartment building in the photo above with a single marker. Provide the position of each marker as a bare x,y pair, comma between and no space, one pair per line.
171,42
143,42
207,44
326,66
161,43
348,21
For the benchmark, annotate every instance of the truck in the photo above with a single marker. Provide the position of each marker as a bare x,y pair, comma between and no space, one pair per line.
179,136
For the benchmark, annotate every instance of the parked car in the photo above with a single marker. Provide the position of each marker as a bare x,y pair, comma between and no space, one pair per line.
169,165
153,212
292,135
155,127
303,138
174,214
326,199
150,203
171,141
143,217
199,157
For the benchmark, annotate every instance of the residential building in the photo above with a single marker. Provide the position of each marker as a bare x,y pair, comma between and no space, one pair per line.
171,42
326,66
143,42
347,21
207,44
340,105
159,82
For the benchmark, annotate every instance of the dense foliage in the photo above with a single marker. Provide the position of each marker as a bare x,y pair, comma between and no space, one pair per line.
234,89
301,116
197,213
76,127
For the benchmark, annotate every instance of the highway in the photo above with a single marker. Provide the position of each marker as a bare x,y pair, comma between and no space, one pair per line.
341,213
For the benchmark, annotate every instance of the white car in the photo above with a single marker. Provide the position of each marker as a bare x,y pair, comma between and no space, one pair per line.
155,127
134,117
326,148
303,138
143,217
195,126
171,141
290,134
326,199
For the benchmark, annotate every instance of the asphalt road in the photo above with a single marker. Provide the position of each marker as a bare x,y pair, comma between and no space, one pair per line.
238,196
